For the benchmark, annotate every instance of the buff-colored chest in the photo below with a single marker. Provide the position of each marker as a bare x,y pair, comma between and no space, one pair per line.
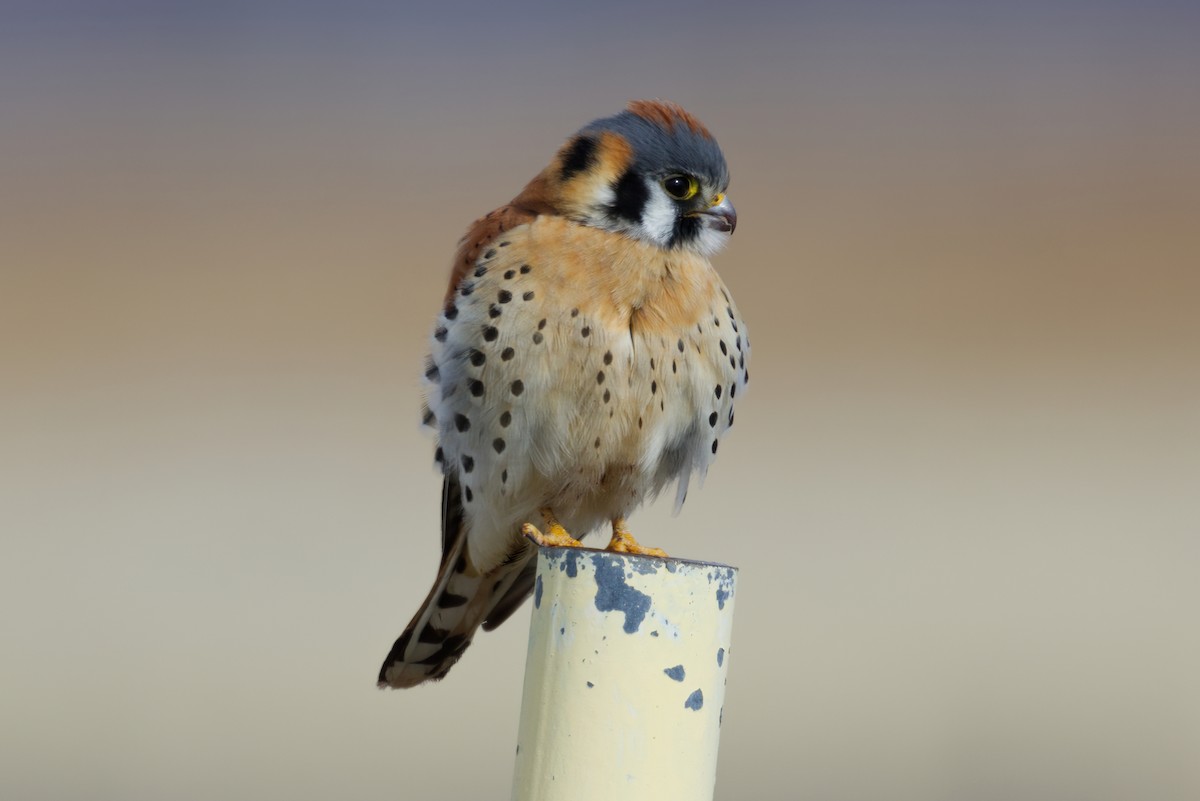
583,370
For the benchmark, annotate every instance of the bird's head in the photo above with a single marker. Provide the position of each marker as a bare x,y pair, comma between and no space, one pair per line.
652,172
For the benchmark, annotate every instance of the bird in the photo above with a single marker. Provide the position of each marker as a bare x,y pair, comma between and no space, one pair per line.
586,356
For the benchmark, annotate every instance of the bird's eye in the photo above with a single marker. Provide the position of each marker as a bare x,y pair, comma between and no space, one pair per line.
681,187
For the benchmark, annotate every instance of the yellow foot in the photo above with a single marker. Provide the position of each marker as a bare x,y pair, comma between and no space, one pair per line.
623,542
555,537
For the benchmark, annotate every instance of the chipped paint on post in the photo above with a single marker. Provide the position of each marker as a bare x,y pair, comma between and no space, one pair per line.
623,698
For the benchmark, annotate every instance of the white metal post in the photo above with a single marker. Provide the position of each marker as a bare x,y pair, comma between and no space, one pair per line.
625,678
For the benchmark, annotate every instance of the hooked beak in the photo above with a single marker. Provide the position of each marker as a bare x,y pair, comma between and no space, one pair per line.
721,216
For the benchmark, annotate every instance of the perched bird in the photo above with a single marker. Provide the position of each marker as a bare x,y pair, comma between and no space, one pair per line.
586,355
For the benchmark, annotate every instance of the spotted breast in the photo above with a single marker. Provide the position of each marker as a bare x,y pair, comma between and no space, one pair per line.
586,356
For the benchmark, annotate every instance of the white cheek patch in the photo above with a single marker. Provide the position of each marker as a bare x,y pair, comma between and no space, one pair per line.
709,241
606,196
658,217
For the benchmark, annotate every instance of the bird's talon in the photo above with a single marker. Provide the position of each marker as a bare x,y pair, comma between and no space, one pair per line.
623,542
551,539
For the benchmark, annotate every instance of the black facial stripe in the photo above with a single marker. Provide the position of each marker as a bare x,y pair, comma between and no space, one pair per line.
580,157
632,196
686,230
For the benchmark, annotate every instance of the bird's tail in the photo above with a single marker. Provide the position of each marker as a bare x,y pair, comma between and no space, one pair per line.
462,599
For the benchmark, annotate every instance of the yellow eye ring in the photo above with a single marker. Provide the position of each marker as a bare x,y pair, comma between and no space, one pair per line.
681,187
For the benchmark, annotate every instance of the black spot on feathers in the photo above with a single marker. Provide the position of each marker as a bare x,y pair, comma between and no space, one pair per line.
579,157
631,196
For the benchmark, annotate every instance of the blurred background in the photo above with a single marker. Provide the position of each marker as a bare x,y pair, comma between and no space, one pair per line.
962,489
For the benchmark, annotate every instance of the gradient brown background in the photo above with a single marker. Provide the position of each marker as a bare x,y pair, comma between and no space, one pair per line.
962,489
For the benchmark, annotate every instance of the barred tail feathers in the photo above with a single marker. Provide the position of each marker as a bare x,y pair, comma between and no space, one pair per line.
457,604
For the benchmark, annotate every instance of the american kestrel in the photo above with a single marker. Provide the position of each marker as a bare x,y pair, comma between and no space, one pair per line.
586,355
